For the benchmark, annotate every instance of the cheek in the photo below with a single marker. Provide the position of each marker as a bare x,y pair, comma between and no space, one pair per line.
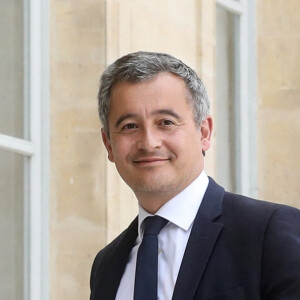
121,148
189,146
176,144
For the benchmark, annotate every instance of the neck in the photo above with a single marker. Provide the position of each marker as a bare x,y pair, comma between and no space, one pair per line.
152,203
153,200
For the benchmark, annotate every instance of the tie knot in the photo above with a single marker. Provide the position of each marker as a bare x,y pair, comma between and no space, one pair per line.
153,225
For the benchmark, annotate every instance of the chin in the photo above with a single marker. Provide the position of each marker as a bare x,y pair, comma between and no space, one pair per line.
157,186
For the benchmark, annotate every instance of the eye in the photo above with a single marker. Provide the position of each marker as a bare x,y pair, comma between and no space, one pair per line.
166,123
129,126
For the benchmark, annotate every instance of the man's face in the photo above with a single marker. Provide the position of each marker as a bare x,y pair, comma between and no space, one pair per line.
154,142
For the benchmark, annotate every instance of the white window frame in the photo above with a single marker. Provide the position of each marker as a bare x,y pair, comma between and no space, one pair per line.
36,149
245,66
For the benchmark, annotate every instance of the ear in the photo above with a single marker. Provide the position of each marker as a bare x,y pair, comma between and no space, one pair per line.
206,132
107,144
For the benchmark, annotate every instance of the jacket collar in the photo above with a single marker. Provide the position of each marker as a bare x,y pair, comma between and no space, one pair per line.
200,244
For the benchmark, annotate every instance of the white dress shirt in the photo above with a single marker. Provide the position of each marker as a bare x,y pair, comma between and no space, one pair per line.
180,211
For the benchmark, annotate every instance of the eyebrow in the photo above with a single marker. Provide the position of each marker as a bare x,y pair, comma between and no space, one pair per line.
124,117
166,112
156,112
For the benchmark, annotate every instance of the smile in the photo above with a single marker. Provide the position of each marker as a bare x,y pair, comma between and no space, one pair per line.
147,161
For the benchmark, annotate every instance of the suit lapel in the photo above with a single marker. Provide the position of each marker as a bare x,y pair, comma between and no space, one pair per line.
200,244
114,264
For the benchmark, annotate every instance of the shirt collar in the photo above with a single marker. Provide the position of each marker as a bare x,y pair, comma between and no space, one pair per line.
182,209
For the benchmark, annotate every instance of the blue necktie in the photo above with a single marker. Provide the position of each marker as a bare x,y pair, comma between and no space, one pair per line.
145,287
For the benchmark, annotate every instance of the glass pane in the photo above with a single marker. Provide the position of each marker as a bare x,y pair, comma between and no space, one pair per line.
11,225
226,97
11,67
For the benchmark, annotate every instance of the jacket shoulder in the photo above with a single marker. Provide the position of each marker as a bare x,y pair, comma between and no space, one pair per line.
249,209
105,255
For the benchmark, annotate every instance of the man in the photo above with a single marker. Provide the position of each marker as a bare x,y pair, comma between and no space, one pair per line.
214,244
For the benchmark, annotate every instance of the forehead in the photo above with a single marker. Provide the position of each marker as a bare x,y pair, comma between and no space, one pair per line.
163,89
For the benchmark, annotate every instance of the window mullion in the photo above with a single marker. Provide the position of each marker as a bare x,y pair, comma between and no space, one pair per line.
17,145
36,273
245,106
232,6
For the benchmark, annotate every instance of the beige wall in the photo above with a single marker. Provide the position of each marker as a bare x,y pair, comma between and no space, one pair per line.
278,106
77,161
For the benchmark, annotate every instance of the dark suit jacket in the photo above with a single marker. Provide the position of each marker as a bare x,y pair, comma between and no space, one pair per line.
239,248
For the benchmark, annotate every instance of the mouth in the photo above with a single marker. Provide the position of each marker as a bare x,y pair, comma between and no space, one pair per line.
150,161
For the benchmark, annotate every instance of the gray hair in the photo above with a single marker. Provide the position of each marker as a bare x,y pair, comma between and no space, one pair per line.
142,66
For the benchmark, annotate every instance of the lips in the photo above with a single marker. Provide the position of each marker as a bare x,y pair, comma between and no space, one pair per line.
150,160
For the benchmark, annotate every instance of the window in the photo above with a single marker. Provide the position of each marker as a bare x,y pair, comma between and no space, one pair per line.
23,140
235,95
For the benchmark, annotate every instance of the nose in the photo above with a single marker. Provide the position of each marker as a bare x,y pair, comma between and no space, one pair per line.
148,139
